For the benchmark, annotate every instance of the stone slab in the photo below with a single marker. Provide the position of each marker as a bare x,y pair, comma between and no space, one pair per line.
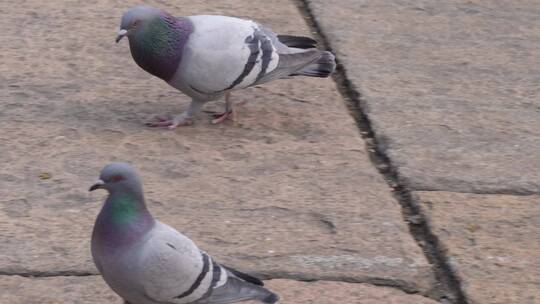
56,290
492,241
288,191
92,290
451,87
325,292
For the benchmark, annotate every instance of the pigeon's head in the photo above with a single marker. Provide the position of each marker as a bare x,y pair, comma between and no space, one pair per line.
118,177
136,19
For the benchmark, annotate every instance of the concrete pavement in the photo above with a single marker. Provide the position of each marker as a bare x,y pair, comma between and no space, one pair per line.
290,192
450,90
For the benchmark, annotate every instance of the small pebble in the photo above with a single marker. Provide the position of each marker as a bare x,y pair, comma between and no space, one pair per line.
45,175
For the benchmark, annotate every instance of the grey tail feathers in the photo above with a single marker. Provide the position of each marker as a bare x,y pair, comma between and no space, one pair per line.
322,67
297,41
270,298
266,296
244,276
237,290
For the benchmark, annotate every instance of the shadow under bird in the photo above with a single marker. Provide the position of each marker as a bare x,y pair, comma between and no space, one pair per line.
207,57
147,262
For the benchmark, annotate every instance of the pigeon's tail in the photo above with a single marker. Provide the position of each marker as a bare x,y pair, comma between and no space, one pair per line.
267,297
322,67
253,284
237,290
249,290
297,41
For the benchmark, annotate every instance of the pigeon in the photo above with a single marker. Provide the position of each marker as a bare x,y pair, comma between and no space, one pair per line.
148,262
208,56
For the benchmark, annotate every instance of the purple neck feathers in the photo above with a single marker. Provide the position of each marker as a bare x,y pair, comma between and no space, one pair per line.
123,220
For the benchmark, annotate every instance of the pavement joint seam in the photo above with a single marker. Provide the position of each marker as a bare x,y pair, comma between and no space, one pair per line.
377,282
301,277
502,192
48,274
449,284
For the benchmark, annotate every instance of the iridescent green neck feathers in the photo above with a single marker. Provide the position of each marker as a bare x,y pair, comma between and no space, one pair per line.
157,45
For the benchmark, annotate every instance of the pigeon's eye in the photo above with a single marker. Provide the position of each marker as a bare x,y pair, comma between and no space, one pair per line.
116,178
135,23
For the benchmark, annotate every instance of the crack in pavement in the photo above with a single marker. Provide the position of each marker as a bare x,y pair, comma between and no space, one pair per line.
304,277
299,277
47,274
495,192
449,284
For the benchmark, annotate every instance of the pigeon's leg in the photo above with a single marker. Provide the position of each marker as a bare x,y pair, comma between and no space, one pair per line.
184,119
229,111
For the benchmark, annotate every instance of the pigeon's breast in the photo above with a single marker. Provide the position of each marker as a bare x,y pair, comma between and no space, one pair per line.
159,50
121,275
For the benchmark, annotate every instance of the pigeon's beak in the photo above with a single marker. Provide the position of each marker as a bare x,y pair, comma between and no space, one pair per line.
121,34
98,185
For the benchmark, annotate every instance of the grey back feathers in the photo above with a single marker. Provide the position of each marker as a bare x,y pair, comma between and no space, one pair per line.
147,262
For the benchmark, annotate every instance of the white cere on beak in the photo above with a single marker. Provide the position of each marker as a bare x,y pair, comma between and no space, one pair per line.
121,34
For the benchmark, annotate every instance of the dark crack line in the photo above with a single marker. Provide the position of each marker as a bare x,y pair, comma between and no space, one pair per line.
329,225
506,192
306,277
48,274
380,282
449,283
264,275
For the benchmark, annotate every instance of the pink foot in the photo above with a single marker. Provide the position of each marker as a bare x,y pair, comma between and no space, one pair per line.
161,122
219,118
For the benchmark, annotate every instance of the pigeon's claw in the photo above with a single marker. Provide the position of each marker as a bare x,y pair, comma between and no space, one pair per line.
219,118
177,121
159,124
229,113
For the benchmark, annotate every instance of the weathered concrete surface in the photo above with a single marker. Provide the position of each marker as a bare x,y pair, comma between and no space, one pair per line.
92,290
451,87
287,191
324,292
492,242
56,290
